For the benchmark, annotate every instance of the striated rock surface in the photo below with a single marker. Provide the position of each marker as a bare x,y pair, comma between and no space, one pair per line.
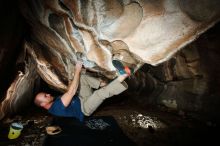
151,31
134,31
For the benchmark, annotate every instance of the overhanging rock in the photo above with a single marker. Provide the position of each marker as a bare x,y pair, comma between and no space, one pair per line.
151,31
148,31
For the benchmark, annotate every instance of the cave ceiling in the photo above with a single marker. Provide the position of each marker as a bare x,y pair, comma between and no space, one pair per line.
62,31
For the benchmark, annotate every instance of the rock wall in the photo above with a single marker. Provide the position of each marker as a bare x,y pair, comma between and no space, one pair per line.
150,31
188,82
136,32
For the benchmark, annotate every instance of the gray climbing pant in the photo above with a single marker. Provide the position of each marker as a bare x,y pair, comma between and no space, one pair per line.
91,96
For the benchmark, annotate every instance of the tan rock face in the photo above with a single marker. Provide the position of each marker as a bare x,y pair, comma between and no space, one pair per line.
151,31
135,31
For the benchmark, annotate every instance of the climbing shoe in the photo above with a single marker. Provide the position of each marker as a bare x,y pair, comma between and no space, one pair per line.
121,68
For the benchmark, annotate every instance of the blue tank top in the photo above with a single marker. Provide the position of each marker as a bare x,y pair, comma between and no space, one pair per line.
72,110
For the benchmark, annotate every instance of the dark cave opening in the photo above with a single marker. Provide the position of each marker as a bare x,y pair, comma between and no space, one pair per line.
13,31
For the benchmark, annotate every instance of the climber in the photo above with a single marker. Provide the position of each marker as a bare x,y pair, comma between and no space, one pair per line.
72,105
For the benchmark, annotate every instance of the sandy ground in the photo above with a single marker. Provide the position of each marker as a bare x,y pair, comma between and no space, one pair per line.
145,126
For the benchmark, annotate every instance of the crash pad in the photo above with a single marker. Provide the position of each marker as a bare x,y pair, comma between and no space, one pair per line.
97,130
